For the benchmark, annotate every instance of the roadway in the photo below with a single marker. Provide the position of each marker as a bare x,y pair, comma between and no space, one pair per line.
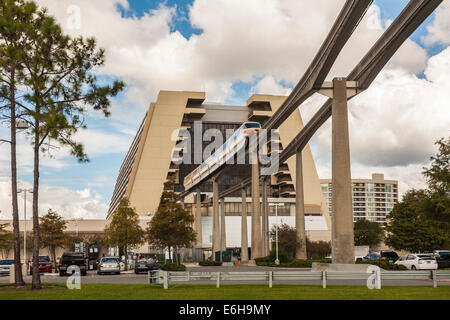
130,277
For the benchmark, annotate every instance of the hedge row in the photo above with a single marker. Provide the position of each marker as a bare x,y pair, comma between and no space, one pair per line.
210,263
291,263
297,263
386,265
169,266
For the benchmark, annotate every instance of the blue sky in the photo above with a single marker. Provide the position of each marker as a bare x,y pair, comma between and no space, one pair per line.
100,173
108,165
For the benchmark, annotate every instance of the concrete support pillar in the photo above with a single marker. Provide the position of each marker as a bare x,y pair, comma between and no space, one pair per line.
265,216
216,230
300,207
198,218
244,234
343,250
256,213
223,234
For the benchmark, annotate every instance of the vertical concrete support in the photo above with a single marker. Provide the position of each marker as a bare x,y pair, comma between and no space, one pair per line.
216,230
223,234
265,220
256,213
300,207
244,234
198,218
343,249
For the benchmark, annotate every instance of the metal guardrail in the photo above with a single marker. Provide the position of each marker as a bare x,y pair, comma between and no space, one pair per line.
166,277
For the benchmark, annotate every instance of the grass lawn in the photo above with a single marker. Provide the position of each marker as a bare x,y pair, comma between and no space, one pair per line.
226,292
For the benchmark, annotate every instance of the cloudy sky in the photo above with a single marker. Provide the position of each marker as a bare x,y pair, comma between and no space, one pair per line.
232,49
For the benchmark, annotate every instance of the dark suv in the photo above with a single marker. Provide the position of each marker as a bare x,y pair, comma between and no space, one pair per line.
443,259
383,255
390,256
72,259
146,262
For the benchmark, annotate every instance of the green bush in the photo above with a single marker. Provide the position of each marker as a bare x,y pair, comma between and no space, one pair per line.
293,263
210,263
282,256
386,265
169,266
317,249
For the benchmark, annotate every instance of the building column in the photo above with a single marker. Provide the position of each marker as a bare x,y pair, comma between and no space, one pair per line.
244,234
265,217
198,217
216,231
223,234
299,207
256,213
343,250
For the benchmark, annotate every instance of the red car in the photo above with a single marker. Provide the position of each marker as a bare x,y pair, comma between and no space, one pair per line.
45,264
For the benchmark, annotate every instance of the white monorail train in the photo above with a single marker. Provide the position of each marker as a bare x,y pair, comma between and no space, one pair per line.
221,155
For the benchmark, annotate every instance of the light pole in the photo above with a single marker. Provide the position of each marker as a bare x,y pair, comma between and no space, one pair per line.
276,205
24,221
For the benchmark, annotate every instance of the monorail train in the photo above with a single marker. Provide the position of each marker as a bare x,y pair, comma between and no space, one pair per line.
222,154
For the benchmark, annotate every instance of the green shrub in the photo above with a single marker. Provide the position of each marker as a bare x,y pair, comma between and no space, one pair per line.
293,263
282,256
262,261
210,263
386,265
169,266
317,249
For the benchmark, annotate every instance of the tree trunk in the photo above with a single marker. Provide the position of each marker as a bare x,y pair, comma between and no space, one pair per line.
18,276
126,257
53,253
175,251
170,258
36,278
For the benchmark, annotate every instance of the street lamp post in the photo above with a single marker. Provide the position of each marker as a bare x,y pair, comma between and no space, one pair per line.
276,205
24,221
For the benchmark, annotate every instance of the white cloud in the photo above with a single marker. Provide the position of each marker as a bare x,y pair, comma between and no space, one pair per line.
439,29
68,203
394,124
276,39
269,85
242,40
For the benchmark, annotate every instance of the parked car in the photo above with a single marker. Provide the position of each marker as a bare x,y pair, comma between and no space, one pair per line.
45,264
109,265
383,255
146,262
72,258
442,258
5,265
417,261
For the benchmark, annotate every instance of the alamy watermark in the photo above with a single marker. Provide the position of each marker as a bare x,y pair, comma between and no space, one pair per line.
74,281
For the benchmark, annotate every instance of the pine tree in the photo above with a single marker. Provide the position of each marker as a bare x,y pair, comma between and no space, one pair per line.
58,87
15,21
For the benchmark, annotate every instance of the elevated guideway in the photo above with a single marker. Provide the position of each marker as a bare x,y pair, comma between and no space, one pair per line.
347,21
364,73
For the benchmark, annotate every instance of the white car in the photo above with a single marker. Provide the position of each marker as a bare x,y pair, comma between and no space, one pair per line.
418,261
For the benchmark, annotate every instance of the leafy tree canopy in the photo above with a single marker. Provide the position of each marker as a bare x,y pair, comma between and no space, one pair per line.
368,233
287,239
171,226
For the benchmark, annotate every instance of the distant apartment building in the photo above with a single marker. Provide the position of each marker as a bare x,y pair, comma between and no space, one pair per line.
373,198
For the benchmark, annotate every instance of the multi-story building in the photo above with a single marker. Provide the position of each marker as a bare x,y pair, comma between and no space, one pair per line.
373,198
152,160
